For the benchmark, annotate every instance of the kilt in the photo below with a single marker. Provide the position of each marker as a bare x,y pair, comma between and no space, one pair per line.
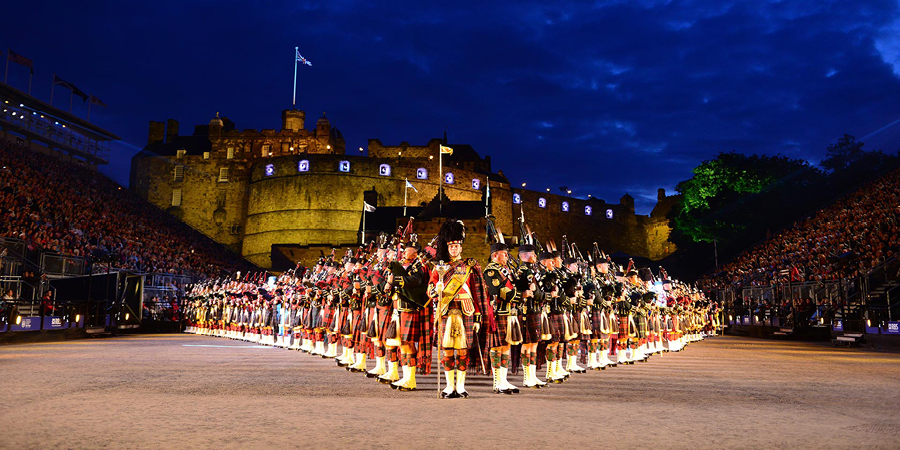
353,319
328,317
468,323
642,327
596,317
498,338
384,319
342,324
410,325
557,327
359,324
531,328
573,326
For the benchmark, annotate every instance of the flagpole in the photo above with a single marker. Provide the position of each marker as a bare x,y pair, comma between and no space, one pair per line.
405,192
296,49
362,236
440,180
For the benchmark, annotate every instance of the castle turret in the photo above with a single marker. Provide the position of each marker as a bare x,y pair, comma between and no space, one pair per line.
215,127
292,119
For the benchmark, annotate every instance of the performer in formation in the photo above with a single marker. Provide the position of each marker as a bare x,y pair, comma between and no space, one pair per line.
395,302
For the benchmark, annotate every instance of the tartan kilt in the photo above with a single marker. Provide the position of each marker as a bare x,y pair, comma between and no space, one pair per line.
557,327
410,326
531,328
359,324
315,317
498,338
384,319
596,317
642,328
468,323
327,318
343,322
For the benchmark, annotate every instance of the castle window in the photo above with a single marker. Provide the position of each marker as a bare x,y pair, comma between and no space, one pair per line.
176,197
344,166
230,153
476,183
565,206
180,153
517,198
205,155
609,214
266,150
422,173
384,170
542,202
303,166
270,170
179,172
223,175
588,210
448,178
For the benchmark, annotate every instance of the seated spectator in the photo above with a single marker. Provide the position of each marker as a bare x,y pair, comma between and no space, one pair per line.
62,207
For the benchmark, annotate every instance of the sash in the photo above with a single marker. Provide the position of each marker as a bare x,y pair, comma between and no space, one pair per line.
456,283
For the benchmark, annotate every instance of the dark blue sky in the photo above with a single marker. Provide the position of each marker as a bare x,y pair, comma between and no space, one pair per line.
607,98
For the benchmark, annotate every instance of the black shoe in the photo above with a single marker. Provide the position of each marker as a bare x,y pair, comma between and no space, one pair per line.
370,375
405,389
450,395
500,391
514,390
462,394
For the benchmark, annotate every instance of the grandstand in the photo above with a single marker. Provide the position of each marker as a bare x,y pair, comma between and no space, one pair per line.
60,218
836,270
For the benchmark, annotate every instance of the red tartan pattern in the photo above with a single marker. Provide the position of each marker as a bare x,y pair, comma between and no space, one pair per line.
410,328
384,319
328,317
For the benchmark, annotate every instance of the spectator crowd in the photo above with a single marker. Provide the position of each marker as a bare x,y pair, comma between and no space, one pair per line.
60,207
846,239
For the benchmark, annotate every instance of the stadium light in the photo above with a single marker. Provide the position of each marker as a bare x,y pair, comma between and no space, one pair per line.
360,149
523,184
18,320
21,105
77,318
127,316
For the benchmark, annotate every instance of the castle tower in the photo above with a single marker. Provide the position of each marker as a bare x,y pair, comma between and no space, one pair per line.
292,119
215,128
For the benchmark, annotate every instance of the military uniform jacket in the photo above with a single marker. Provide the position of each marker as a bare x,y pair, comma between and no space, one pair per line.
504,296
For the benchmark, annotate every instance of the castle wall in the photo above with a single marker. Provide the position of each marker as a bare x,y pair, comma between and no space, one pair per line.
256,209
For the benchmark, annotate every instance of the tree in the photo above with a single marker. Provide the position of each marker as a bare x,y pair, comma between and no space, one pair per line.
733,193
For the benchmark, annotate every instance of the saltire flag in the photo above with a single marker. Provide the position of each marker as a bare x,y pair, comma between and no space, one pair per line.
446,150
409,185
19,59
302,60
59,81
96,101
368,207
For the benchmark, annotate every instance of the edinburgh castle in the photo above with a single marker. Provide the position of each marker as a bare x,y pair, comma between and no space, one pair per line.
281,196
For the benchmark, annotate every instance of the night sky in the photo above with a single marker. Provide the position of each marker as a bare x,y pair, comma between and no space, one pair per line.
620,96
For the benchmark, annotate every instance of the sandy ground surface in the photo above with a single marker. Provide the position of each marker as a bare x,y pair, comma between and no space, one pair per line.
185,391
